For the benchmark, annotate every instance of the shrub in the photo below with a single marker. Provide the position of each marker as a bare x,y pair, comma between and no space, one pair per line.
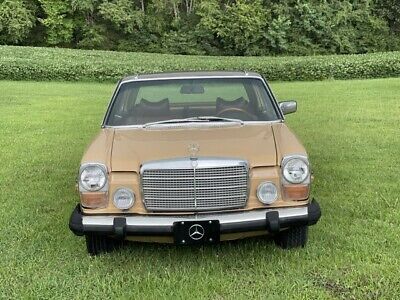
28,63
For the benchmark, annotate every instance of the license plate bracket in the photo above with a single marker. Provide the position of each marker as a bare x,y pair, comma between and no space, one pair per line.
196,232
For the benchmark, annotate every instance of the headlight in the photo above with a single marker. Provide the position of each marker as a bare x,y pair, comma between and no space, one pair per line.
267,192
295,169
124,198
92,177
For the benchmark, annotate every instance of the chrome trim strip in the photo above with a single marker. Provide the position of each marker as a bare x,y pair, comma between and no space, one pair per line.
186,163
273,98
195,187
114,94
194,182
194,125
199,177
199,198
198,125
192,77
223,218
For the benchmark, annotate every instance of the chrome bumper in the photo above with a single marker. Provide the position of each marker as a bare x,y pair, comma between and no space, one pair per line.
273,220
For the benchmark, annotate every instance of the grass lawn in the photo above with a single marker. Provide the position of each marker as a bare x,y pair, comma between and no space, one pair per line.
351,130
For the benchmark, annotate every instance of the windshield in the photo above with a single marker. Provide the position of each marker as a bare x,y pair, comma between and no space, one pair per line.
144,102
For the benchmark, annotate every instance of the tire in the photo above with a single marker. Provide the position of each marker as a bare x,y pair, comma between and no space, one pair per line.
293,237
97,244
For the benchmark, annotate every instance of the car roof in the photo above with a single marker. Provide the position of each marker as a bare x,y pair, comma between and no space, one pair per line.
194,74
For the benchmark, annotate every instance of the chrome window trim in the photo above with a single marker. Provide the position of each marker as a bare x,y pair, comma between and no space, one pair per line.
135,79
274,100
114,94
191,77
198,125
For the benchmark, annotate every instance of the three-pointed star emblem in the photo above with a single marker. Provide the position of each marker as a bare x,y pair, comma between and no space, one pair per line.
196,232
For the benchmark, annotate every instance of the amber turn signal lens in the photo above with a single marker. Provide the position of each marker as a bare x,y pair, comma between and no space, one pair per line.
296,192
94,200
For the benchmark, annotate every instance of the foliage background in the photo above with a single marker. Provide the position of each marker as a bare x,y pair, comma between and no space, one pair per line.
207,27
34,63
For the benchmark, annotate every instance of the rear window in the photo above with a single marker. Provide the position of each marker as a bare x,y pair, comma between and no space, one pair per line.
141,102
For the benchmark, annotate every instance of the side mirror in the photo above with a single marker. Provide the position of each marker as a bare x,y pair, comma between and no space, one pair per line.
288,107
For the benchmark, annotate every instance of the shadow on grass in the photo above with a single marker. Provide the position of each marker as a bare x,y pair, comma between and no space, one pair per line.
167,254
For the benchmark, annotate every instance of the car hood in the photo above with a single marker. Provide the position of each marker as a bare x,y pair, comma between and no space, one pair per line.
134,146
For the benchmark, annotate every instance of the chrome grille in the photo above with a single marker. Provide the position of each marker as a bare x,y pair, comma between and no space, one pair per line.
194,185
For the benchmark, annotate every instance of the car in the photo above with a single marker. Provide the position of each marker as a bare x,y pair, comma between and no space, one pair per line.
194,158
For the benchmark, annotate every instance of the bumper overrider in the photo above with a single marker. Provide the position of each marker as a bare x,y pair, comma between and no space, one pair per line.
273,220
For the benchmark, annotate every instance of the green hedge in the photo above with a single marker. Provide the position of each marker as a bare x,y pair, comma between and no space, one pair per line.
28,63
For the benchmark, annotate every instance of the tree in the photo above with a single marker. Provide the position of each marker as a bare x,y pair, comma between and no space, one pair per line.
390,10
239,25
58,22
16,21
123,15
213,27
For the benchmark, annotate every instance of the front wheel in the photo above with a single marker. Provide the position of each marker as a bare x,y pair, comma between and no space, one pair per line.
293,237
97,244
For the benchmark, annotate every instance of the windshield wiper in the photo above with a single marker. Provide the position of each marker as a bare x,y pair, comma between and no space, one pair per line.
171,121
193,119
217,119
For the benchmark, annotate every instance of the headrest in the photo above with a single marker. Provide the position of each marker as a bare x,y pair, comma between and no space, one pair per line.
151,108
222,104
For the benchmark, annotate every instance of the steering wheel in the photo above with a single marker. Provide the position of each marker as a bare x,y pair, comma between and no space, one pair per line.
237,113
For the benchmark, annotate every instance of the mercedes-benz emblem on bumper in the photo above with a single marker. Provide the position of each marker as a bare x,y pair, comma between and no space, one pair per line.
196,232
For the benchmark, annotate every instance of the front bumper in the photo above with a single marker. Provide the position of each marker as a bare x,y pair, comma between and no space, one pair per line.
272,220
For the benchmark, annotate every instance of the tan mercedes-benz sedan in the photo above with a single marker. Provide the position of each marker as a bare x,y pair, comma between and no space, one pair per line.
194,158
